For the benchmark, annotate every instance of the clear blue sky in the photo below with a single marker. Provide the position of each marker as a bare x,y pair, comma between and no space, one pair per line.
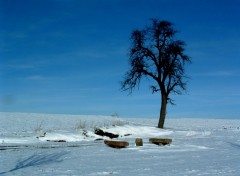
69,56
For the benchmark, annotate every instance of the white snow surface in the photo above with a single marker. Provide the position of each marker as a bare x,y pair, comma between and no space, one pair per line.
199,147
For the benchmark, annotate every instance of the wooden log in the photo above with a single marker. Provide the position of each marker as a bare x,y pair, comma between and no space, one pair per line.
56,140
160,141
100,132
116,144
139,142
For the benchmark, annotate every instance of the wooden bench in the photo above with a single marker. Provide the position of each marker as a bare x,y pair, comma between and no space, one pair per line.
116,144
160,141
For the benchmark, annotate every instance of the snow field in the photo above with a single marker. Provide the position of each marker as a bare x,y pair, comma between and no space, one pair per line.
199,147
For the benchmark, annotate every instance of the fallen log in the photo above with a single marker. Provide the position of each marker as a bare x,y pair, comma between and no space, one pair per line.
160,141
116,144
100,132
56,140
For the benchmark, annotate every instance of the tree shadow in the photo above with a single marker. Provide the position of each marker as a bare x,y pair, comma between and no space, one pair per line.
235,145
36,160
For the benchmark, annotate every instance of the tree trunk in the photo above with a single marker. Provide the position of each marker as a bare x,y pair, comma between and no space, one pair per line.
162,111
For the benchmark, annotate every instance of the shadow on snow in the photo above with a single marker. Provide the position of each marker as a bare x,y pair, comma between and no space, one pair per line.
36,160
235,145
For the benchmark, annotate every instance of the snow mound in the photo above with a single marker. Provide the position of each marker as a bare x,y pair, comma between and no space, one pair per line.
137,131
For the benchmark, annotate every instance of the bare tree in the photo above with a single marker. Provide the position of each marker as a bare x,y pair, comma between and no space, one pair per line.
156,54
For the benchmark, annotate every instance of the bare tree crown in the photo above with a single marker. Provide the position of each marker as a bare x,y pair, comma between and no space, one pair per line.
155,53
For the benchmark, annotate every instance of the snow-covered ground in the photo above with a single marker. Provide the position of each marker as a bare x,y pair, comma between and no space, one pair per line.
199,147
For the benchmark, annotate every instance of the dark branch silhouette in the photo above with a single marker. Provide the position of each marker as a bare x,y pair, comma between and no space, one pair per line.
156,54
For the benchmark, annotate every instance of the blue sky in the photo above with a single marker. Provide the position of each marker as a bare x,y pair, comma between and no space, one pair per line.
69,56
